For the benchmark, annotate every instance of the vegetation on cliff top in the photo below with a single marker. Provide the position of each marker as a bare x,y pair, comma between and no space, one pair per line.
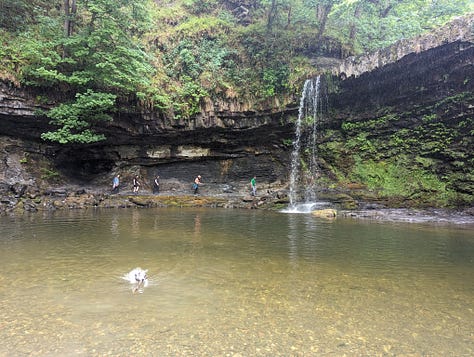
172,55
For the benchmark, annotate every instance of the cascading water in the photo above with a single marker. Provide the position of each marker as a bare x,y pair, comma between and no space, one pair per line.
307,118
314,112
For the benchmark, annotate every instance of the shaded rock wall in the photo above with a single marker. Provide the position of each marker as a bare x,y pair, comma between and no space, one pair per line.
227,143
417,114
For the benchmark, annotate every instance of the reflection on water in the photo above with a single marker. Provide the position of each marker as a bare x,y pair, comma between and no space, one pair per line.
225,282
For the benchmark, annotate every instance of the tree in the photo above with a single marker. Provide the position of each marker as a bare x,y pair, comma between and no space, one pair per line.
97,52
17,15
323,9
366,25
176,55
75,119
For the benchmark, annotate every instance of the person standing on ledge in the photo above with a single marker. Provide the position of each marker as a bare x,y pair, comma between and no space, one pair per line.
136,184
116,184
197,182
156,185
253,185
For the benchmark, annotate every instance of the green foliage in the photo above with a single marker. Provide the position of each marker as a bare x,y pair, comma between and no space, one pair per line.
361,143
198,68
369,124
367,25
18,15
24,159
75,119
100,55
200,6
274,80
414,162
49,175
299,69
456,100
429,118
191,94
403,140
173,55
201,26
12,15
98,59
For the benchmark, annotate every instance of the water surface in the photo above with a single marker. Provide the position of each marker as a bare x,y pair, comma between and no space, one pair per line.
233,282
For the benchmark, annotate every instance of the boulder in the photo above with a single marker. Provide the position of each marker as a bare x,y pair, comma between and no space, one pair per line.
328,213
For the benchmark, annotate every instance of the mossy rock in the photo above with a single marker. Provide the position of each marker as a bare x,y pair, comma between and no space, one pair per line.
327,213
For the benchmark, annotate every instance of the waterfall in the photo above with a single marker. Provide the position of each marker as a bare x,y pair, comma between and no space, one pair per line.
307,117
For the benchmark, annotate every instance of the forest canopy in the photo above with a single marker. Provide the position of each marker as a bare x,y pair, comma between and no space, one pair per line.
173,54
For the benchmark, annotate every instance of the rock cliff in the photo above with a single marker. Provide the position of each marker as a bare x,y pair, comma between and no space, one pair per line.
377,106
402,123
227,144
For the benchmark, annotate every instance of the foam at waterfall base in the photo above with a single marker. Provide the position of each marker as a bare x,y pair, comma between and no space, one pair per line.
305,207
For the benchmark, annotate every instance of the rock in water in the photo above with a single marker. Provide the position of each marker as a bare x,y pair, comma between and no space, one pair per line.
325,213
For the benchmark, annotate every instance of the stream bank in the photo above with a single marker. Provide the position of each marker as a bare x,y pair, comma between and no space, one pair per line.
79,198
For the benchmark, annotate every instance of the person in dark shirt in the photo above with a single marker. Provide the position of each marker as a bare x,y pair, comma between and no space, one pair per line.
136,184
156,185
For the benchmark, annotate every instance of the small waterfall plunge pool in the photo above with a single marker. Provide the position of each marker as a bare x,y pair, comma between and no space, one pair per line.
233,282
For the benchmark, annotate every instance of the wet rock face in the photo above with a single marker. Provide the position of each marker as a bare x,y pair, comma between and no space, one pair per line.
417,80
418,110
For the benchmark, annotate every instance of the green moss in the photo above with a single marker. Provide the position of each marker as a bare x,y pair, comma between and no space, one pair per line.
49,175
400,178
361,143
459,98
369,124
24,159
429,118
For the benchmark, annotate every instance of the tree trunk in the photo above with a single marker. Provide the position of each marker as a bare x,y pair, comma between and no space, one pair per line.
353,29
288,23
73,15
271,15
322,13
70,9
67,18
